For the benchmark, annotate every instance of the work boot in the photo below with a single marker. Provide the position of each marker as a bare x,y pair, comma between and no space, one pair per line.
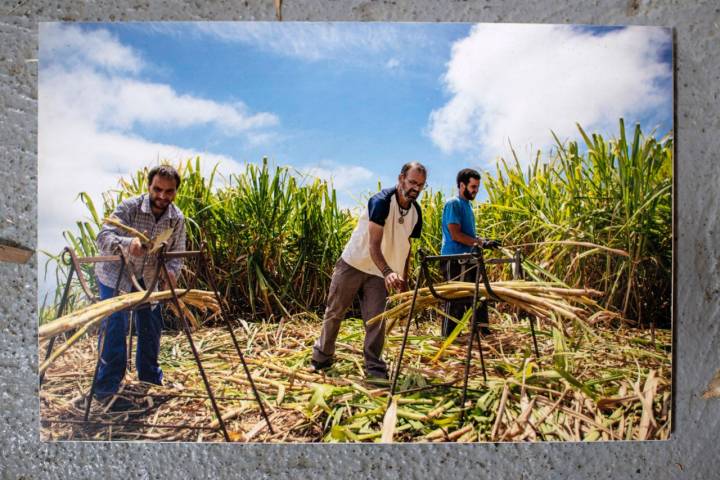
380,379
484,330
318,367
117,403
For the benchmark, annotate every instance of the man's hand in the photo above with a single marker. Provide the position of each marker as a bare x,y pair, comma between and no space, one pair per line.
136,249
489,244
393,281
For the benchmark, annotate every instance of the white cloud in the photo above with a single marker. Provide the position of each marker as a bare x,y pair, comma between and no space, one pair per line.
121,103
392,64
74,82
76,158
90,98
72,46
317,41
511,83
342,177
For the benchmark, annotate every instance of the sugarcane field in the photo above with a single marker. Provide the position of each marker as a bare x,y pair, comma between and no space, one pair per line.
192,306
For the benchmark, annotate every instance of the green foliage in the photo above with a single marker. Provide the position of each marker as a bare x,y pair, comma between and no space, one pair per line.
615,194
275,236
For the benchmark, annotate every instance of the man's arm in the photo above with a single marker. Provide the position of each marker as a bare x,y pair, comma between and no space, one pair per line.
452,217
393,281
457,235
110,238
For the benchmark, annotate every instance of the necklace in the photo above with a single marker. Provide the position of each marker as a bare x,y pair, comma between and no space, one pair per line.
403,212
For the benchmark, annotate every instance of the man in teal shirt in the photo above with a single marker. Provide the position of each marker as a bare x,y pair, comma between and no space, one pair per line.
458,229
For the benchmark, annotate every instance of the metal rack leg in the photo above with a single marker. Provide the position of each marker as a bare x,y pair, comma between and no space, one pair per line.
131,320
101,345
226,321
473,333
186,329
61,310
398,365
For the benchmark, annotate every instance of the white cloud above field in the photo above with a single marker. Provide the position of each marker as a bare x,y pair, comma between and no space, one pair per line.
75,47
96,106
92,104
341,176
79,80
319,41
509,84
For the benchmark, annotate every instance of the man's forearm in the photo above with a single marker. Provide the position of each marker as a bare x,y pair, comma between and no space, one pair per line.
378,258
464,239
109,236
457,235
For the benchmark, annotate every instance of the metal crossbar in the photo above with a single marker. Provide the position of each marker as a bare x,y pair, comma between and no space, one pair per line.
479,306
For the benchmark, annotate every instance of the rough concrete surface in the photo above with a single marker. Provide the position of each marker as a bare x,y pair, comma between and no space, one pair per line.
693,450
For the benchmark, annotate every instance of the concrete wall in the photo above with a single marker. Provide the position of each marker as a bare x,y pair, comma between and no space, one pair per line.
692,452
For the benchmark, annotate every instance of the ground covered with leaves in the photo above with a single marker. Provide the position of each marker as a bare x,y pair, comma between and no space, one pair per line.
591,382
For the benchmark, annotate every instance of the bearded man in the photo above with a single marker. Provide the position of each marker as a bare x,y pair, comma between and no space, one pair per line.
373,263
459,236
151,213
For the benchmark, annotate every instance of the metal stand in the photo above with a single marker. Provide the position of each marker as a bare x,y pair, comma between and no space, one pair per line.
479,306
161,269
74,266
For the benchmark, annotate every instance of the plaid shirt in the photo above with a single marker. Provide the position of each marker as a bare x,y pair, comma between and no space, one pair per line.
136,213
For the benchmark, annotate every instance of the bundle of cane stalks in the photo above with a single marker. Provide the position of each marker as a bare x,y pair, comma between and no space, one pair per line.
81,320
547,301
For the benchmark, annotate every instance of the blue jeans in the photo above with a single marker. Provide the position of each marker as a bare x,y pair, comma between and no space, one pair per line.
113,362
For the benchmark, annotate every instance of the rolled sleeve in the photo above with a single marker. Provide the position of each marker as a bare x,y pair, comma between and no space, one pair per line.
111,237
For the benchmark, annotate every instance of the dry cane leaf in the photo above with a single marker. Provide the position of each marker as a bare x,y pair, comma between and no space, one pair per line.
388,428
647,419
501,410
521,423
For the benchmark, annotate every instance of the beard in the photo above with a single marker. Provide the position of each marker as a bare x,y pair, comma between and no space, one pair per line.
159,204
410,194
468,195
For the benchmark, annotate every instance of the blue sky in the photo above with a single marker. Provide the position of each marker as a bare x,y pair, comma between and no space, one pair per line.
349,102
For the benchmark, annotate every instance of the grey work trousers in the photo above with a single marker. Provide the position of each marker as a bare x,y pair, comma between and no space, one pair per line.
346,282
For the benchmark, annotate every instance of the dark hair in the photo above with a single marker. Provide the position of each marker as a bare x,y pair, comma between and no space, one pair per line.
416,165
465,175
165,171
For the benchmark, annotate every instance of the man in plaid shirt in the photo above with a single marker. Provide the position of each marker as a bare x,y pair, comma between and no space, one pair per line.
150,213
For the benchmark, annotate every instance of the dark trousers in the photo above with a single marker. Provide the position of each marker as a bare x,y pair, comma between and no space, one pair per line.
453,270
347,281
113,362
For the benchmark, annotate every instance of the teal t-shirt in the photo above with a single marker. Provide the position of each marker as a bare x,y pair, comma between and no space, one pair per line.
457,210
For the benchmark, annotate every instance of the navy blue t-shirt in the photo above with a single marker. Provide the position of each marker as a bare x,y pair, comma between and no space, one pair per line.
379,208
